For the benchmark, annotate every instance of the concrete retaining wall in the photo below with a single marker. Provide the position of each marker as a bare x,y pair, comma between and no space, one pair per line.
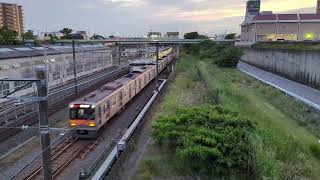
300,66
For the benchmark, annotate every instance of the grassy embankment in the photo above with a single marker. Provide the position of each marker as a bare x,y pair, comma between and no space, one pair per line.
283,145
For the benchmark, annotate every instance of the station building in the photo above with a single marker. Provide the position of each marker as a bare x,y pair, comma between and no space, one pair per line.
267,26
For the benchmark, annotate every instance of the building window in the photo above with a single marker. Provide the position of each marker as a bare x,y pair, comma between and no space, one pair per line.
4,89
70,72
18,84
56,76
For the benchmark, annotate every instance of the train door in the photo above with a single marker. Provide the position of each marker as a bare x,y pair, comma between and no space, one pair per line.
120,96
130,91
98,115
145,79
108,107
134,87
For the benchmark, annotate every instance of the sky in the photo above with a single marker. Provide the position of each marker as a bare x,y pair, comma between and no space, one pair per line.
135,18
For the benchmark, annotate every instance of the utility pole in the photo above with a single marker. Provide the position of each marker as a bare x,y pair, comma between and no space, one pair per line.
119,51
157,62
41,75
74,66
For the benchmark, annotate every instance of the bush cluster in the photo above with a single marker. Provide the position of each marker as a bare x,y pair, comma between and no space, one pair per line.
219,54
210,139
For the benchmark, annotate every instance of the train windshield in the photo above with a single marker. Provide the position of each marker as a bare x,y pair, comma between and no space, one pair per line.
82,113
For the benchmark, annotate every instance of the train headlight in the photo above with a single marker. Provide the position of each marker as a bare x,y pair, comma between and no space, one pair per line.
71,106
93,106
92,124
73,124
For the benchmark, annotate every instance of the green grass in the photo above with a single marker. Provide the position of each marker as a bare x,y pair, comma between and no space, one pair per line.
282,145
286,138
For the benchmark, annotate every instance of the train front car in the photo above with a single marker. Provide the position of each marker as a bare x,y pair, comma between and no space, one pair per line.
83,120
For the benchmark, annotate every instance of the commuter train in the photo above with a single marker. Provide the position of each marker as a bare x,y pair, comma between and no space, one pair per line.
90,113
59,61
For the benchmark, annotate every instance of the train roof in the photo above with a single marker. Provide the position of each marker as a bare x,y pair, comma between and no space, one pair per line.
108,89
21,52
142,61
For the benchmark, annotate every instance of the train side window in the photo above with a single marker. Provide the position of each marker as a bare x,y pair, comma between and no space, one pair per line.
81,112
119,96
114,101
104,109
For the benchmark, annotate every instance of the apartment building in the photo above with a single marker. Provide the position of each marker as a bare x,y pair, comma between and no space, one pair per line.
11,17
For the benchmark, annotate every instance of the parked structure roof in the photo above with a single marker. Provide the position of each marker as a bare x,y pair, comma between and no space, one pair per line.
20,52
286,17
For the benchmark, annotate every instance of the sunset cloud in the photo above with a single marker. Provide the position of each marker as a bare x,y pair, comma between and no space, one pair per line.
137,17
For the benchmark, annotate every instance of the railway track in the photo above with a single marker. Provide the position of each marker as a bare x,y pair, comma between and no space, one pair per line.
61,99
62,156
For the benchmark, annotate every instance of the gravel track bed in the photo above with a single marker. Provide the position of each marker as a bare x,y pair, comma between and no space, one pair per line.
14,162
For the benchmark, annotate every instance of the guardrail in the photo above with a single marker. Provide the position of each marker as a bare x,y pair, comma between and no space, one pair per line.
302,99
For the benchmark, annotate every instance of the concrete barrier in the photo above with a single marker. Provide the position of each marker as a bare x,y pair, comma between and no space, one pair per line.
298,65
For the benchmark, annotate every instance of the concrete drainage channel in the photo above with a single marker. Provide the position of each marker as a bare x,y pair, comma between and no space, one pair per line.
121,144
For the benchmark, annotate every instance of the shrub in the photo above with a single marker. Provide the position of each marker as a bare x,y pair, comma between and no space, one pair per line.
215,138
229,57
150,164
219,54
315,149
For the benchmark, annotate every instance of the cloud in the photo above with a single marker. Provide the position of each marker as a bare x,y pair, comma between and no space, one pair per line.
125,17
124,3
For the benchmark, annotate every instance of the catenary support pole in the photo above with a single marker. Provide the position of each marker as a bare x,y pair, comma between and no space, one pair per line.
119,51
74,66
41,74
157,62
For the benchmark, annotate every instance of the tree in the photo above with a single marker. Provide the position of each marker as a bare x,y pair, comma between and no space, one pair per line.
7,36
53,38
28,35
66,33
191,35
229,57
202,37
194,35
231,36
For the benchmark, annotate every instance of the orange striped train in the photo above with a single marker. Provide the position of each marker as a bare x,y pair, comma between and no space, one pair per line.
90,113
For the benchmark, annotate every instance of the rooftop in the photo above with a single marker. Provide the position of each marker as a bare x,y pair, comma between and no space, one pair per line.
20,52
286,17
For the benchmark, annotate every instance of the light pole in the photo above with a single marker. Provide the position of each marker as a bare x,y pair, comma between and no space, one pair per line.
119,51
